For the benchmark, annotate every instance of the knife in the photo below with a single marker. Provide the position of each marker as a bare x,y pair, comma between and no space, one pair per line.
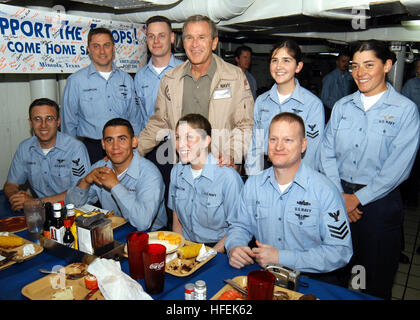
236,286
90,294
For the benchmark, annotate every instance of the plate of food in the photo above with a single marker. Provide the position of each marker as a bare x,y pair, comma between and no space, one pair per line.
61,286
229,293
15,249
171,240
186,261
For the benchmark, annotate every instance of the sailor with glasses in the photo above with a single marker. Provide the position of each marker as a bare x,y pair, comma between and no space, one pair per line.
50,161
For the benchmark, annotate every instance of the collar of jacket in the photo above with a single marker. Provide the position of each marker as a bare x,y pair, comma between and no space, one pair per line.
222,70
297,93
300,177
59,143
390,97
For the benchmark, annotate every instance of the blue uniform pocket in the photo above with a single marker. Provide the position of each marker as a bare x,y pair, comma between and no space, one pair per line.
345,123
265,117
212,214
266,229
61,176
384,129
304,227
89,98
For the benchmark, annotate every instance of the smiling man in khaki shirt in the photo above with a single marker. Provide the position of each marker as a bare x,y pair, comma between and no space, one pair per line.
229,106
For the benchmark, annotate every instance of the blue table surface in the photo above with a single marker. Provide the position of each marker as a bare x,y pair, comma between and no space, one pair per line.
14,278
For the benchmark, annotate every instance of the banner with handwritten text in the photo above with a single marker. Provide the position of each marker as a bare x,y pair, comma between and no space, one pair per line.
33,41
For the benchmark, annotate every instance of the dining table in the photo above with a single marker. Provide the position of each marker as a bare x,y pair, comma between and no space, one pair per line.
214,272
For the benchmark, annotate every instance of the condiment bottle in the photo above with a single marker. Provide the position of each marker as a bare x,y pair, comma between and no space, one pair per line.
71,215
57,226
48,220
189,291
63,210
200,290
68,238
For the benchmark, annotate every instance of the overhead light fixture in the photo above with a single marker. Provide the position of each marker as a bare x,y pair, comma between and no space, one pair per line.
329,54
411,24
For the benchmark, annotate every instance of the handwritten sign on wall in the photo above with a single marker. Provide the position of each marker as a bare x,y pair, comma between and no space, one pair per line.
33,41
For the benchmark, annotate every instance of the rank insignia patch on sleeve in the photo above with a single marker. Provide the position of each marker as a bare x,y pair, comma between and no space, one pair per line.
78,171
341,231
312,133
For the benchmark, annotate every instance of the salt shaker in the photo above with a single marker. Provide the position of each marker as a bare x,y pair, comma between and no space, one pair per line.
189,291
200,291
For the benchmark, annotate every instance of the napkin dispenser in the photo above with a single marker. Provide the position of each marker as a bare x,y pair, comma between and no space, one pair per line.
285,277
94,233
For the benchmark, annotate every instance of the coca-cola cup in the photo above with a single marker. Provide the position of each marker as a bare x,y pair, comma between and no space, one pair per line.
136,243
154,258
260,285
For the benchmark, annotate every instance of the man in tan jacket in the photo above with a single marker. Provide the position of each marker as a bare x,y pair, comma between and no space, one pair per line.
207,85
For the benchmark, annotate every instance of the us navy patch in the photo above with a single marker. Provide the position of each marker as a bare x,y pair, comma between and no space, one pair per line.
301,217
303,203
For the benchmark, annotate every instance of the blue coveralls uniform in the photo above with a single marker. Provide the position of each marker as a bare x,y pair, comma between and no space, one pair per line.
252,83
410,188
307,223
370,153
89,101
63,166
203,205
138,197
146,83
411,90
335,86
303,103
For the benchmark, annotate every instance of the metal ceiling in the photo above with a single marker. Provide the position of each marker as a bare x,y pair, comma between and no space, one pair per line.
265,22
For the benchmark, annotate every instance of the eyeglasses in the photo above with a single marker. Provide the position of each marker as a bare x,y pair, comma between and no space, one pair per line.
48,120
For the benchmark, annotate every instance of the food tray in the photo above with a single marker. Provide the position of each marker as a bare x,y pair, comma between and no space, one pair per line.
178,262
19,255
45,287
242,281
13,224
117,222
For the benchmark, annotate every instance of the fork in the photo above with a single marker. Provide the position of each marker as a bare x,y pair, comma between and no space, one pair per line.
68,276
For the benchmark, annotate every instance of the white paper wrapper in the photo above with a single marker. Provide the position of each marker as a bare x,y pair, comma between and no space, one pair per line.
5,234
204,254
28,249
171,256
114,283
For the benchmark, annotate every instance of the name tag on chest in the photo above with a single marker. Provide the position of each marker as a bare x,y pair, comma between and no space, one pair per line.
222,93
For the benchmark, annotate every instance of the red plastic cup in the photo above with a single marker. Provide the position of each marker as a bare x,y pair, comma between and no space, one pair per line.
136,243
154,257
260,285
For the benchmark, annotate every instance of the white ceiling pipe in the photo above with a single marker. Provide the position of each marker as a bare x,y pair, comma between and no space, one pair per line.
216,10
335,9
